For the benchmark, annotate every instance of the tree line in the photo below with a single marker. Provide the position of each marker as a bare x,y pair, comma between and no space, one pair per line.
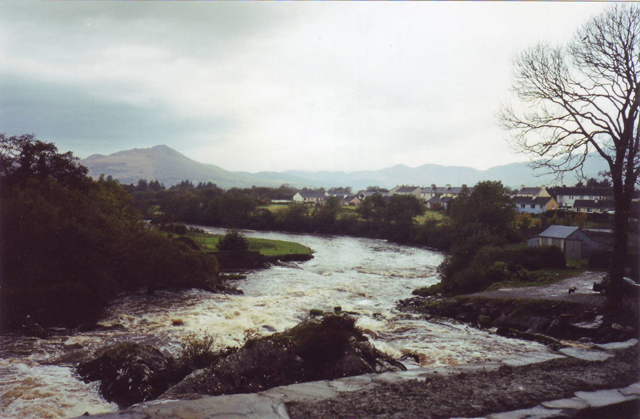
69,243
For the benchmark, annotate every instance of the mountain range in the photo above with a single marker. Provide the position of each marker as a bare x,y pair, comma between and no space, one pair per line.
171,167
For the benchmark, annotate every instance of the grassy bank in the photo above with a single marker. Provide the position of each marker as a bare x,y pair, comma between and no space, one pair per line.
266,247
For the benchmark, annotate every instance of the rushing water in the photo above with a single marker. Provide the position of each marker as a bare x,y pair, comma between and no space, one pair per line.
360,275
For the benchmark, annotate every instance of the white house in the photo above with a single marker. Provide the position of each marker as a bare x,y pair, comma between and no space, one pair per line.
406,190
309,197
567,196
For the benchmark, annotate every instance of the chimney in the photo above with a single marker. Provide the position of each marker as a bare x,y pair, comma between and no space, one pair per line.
464,186
433,186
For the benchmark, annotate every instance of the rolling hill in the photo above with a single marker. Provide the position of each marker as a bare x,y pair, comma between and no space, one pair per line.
170,167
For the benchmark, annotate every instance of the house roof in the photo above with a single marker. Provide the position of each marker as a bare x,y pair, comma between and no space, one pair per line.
559,232
454,190
584,191
406,189
529,191
590,203
522,200
541,200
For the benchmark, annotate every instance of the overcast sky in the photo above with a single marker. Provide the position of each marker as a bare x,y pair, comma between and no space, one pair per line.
273,85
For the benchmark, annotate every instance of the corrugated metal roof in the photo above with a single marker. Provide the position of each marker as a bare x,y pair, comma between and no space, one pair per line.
559,232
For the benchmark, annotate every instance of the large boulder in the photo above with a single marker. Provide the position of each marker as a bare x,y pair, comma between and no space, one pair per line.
314,350
129,373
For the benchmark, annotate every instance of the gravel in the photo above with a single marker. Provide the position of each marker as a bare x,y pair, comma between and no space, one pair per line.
479,393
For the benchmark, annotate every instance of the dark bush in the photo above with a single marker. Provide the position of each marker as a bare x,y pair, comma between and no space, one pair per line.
600,260
531,258
233,241
320,344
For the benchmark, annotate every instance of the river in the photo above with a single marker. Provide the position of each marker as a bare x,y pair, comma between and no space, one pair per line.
365,276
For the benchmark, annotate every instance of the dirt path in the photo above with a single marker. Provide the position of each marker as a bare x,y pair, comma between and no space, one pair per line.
556,291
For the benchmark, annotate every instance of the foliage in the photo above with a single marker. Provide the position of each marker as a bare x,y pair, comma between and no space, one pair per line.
488,207
400,213
233,242
198,352
25,157
492,264
69,244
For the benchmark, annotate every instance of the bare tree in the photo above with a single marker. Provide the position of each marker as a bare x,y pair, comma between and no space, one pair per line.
584,98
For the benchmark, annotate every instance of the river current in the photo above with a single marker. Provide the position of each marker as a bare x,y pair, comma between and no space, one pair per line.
37,378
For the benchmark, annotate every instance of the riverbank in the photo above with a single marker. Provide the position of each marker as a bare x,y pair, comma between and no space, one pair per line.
565,310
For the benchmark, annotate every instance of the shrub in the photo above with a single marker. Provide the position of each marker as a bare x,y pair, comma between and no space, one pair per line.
600,260
233,242
197,352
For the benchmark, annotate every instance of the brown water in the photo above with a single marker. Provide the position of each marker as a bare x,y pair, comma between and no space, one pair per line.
361,275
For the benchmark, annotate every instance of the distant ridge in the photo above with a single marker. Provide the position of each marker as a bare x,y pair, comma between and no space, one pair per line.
171,167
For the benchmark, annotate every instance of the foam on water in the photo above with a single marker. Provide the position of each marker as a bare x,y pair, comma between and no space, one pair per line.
360,275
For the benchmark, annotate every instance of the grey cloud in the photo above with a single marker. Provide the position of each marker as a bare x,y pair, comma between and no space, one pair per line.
72,118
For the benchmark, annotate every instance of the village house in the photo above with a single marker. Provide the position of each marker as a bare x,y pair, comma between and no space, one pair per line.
574,243
534,200
309,198
567,196
406,190
437,197
593,205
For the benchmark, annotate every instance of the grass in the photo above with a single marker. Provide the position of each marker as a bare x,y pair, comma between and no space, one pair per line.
550,276
430,214
266,247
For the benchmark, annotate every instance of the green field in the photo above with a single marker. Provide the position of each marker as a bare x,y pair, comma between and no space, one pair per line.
266,247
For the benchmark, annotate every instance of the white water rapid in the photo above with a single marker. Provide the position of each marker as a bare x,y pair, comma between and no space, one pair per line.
360,275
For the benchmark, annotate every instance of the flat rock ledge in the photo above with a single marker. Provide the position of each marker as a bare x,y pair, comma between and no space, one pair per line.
271,404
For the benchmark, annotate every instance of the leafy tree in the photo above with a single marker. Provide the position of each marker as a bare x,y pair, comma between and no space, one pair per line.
233,242
326,215
25,157
595,183
585,98
69,244
236,208
295,217
400,213
488,207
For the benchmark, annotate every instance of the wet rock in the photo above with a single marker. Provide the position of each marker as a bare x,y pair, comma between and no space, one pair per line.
314,350
484,320
466,316
538,324
129,373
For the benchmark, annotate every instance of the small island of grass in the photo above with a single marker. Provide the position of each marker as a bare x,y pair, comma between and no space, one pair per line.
266,247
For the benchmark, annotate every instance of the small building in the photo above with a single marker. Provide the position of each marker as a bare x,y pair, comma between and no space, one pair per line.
309,197
351,201
534,205
534,192
592,205
406,190
574,243
566,196
448,191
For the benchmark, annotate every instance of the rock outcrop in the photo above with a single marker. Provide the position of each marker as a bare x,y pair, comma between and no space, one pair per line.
129,373
314,350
